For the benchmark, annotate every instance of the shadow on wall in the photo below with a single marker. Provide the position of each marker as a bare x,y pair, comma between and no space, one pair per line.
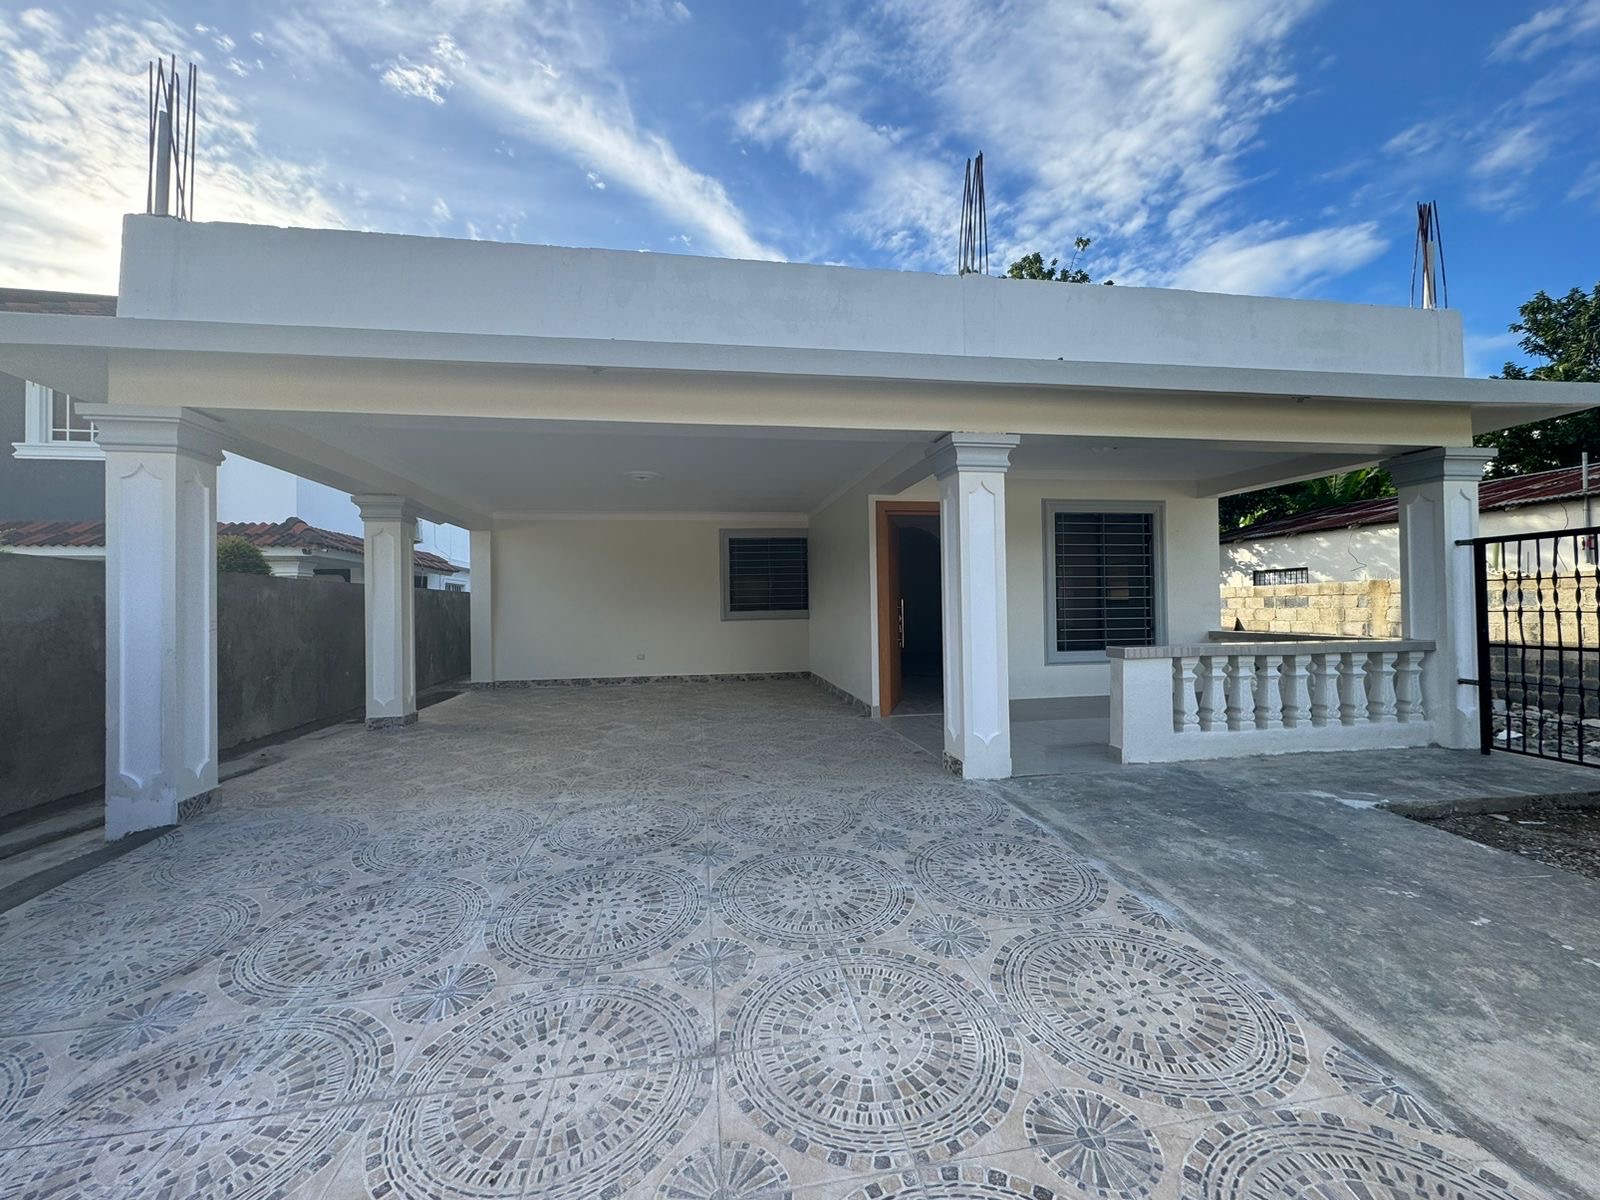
289,652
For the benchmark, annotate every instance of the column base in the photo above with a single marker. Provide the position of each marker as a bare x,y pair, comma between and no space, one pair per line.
391,722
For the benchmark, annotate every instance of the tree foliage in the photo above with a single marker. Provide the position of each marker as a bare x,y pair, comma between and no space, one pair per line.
240,557
1563,332
1032,266
1268,504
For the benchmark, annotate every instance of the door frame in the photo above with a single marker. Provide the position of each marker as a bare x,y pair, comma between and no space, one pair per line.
888,559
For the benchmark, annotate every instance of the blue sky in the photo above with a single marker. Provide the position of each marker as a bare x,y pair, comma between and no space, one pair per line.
1273,147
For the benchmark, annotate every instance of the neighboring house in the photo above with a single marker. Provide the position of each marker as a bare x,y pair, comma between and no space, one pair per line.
1337,570
675,466
53,472
292,548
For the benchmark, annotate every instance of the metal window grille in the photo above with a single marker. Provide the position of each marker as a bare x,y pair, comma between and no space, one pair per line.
65,423
767,574
1105,580
1274,576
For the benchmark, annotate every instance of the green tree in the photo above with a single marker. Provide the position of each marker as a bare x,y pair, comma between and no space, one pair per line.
1351,487
240,557
1563,332
1032,266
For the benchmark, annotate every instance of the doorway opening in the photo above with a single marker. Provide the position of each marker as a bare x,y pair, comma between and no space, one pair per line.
910,620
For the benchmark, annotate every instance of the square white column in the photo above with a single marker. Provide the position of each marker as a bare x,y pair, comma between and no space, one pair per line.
1438,500
971,469
161,613
482,606
391,532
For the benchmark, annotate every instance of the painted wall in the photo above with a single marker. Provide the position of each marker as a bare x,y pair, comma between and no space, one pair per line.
189,270
606,597
1373,551
65,489
844,584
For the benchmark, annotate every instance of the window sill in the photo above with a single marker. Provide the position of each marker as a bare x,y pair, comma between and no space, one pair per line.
83,451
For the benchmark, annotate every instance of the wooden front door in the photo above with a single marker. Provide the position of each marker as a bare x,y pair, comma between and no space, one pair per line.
891,604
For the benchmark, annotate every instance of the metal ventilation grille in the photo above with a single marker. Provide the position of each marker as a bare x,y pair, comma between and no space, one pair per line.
1105,580
767,574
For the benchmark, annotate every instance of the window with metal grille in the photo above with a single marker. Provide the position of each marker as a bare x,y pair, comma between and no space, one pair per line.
1104,579
1274,576
764,573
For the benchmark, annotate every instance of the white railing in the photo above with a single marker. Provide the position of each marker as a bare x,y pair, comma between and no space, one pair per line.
1218,700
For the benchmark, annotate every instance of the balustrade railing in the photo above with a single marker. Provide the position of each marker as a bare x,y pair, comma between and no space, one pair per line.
1216,700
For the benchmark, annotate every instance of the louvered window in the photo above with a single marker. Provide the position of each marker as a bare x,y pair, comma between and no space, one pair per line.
764,574
1104,589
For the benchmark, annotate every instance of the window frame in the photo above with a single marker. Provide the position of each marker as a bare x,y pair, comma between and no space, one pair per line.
39,429
1157,511
1257,572
726,536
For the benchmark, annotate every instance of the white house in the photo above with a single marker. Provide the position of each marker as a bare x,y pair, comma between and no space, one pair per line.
684,466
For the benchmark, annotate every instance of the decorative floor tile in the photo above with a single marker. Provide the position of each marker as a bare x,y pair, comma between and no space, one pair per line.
674,941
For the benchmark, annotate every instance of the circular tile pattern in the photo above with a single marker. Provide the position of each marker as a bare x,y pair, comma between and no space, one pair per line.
445,994
22,1073
216,857
948,936
1267,1156
1380,1091
129,1029
314,883
786,817
102,953
804,898
451,840
715,962
936,807
628,827
598,916
933,1082
359,940
966,1181
530,1096
1141,913
1150,1016
1009,877
214,1089
1096,1143
733,1171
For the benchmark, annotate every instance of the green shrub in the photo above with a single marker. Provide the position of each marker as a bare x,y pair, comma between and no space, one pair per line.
241,557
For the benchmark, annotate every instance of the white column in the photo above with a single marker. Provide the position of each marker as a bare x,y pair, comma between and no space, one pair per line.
482,606
971,469
161,613
391,534
1438,497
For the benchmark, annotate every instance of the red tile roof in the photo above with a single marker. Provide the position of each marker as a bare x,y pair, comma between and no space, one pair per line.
292,532
1542,487
71,304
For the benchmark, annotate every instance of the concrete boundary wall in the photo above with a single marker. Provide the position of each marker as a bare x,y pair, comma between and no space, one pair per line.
289,653
1365,608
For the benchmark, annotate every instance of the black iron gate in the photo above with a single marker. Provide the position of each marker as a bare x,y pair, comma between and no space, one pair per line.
1538,602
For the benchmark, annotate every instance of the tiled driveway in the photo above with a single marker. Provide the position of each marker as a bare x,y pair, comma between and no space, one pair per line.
671,941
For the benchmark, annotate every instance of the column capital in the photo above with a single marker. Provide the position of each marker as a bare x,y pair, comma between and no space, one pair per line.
385,508
1439,464
136,427
972,452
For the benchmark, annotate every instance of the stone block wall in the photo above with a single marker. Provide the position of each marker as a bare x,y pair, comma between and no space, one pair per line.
1370,608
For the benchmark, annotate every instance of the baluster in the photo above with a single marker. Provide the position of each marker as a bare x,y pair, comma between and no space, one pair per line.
1241,692
1382,701
1269,696
1294,691
1213,706
1408,688
1185,700
1323,705
1352,688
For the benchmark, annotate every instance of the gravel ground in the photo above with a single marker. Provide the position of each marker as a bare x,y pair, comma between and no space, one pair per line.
1561,837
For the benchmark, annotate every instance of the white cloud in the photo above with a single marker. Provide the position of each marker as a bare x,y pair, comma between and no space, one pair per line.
1486,353
1512,150
1551,27
1122,117
1261,261
542,71
73,136
1587,185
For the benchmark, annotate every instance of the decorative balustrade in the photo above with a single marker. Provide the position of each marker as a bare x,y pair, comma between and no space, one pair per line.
1218,700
